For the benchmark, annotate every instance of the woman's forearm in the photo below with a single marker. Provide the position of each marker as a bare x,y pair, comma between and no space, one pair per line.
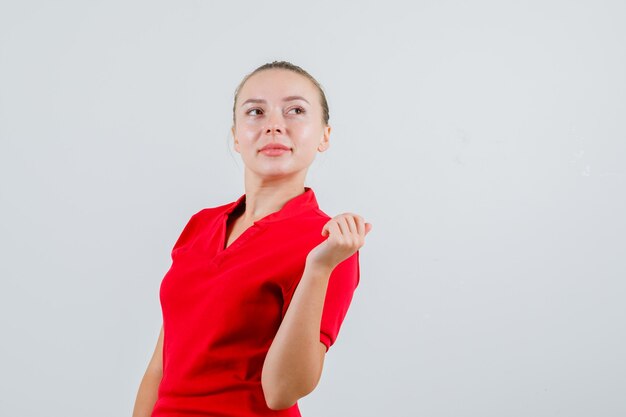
294,362
147,394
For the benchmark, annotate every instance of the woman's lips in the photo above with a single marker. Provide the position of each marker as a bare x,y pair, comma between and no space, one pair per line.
274,151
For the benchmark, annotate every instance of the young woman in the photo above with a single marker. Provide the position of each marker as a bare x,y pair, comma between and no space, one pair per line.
258,287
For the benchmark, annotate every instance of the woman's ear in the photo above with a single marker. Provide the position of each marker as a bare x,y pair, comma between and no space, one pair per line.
236,143
325,143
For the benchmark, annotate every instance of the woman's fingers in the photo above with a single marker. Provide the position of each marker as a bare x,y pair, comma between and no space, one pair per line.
360,222
354,230
349,228
341,223
345,235
334,229
352,227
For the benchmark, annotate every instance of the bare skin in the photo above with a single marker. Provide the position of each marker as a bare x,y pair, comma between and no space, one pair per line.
147,394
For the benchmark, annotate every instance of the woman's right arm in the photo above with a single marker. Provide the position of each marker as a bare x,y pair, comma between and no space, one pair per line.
147,394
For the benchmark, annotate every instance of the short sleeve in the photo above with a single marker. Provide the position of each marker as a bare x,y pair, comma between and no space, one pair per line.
342,283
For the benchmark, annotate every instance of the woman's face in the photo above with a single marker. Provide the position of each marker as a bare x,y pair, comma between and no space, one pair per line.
279,106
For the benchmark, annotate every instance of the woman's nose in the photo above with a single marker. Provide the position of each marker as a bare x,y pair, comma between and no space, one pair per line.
275,124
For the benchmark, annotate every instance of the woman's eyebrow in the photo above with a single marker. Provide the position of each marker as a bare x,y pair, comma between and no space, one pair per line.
289,98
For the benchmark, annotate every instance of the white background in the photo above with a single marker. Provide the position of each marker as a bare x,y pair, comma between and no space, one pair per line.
484,140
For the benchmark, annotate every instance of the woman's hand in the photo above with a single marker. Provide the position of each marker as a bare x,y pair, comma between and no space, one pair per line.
346,234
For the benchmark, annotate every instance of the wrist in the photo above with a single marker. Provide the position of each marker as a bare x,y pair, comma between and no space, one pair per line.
318,268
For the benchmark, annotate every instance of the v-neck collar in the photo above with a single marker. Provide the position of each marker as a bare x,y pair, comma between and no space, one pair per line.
297,205
293,207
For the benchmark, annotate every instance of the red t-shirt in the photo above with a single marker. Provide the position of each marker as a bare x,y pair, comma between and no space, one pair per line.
223,307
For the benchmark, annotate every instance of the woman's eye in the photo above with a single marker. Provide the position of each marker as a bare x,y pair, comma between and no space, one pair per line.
299,110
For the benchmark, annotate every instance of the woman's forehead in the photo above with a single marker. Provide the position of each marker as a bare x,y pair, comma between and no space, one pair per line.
277,84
